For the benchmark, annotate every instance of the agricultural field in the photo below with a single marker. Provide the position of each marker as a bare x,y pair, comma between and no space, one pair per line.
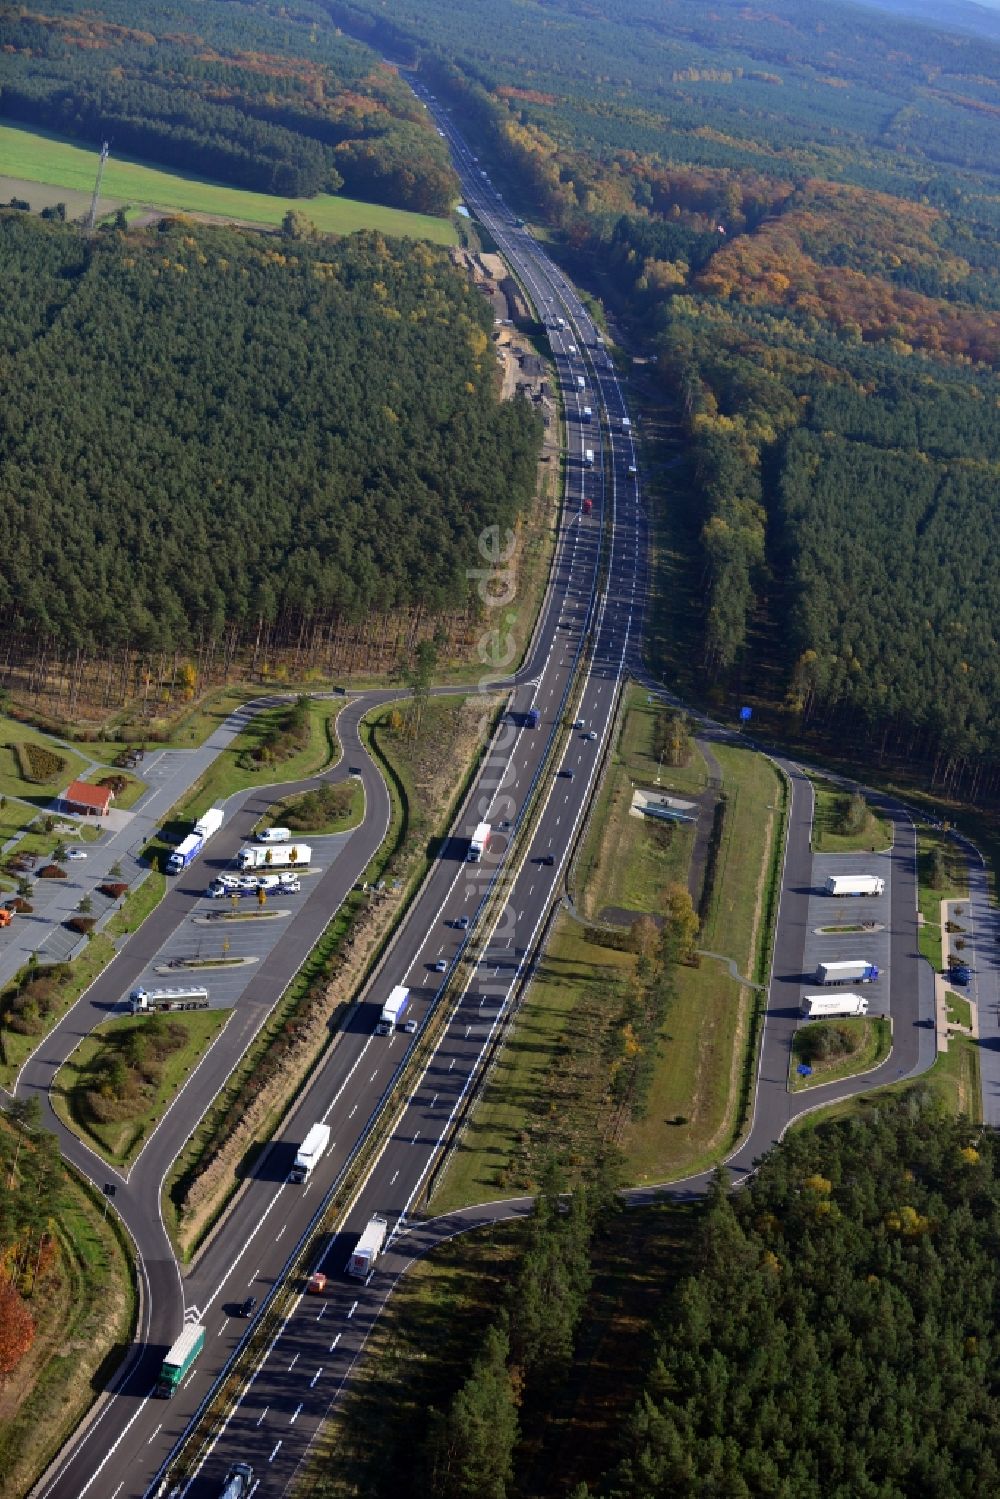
34,156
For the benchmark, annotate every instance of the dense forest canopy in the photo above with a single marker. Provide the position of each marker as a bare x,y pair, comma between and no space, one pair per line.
799,207
840,1335
252,93
201,426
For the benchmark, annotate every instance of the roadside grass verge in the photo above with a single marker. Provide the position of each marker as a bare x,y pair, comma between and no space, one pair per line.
330,809
120,1140
84,1324
959,1009
870,1044
952,1083
137,905
39,156
941,875
828,836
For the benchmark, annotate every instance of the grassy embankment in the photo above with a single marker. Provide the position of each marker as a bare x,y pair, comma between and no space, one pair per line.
421,777
38,156
329,809
829,835
549,1089
144,1077
952,1082
838,1049
936,849
84,1323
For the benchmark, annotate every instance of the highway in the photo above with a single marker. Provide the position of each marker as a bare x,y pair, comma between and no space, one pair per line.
587,641
590,624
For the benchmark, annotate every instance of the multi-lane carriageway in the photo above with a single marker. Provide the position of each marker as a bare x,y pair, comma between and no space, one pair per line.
592,619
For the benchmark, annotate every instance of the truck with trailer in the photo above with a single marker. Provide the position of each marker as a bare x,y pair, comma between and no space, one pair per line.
588,457
830,1006
239,1482
368,1248
179,1360
163,1001
852,971
854,884
478,843
274,856
190,847
393,1010
309,1152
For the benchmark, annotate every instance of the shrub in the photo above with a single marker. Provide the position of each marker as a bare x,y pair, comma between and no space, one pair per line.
83,924
37,763
21,906
824,1040
115,888
51,872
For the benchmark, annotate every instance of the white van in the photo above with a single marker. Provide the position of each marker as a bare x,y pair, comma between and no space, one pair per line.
274,835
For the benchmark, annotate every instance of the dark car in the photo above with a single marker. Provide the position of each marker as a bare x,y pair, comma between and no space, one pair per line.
961,973
547,859
248,1306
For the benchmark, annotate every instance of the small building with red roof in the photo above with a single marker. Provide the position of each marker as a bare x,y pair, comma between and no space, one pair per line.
87,801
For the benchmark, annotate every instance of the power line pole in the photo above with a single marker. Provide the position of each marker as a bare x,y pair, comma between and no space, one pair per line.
92,215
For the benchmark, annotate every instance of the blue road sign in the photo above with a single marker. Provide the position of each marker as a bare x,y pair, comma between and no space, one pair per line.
803,1070
746,714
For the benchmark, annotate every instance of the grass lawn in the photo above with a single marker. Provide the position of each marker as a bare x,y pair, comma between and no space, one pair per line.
872,1040
37,156
753,792
137,905
959,1009
550,1080
81,973
84,1315
350,818
687,1124
12,782
120,1141
953,1080
125,798
827,837
628,861
929,898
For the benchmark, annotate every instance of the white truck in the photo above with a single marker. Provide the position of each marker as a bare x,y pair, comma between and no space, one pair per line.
478,843
273,835
310,1151
275,856
210,822
368,1248
586,414
588,457
581,383
393,1010
852,971
827,1006
854,884
161,1001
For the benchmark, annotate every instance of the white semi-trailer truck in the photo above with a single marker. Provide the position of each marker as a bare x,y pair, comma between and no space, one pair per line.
830,1006
310,1151
854,884
274,856
854,971
478,843
393,1010
368,1248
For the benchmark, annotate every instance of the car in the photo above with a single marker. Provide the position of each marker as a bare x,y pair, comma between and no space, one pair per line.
316,1284
590,734
503,826
355,770
578,723
547,859
248,884
960,973
227,881
248,1306
409,1027
567,773
440,966
75,853
462,923
289,887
